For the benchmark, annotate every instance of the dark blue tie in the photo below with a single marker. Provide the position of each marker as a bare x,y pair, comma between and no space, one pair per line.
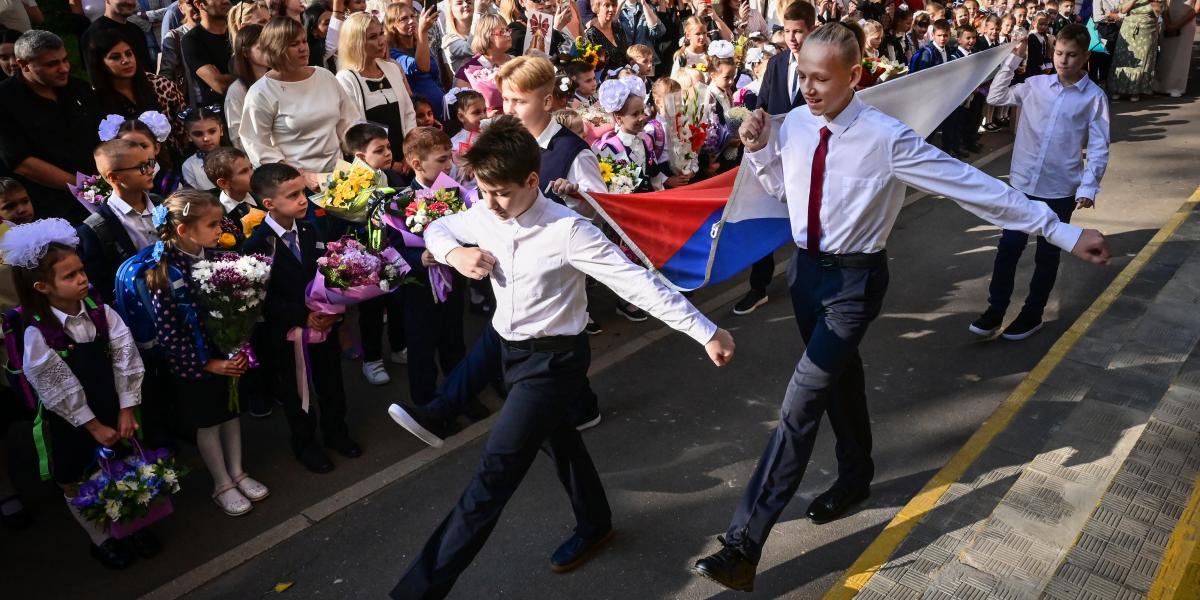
289,238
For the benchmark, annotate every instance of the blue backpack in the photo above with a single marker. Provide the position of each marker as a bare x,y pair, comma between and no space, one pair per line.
133,299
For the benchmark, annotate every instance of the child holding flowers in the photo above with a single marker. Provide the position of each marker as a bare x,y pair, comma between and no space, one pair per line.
189,225
81,360
627,161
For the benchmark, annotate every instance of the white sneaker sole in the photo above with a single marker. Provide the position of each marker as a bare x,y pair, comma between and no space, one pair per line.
752,308
589,424
1020,336
982,332
405,420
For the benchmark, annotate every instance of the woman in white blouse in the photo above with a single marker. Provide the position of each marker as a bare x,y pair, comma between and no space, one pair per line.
295,114
376,85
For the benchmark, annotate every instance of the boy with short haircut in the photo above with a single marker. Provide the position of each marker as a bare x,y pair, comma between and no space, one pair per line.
642,57
369,144
15,205
293,243
955,137
936,52
1067,108
538,253
230,169
122,225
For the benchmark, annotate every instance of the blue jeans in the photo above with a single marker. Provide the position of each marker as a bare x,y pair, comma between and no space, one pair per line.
1045,264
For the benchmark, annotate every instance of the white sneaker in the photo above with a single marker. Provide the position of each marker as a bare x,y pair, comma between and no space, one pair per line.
399,358
375,373
413,426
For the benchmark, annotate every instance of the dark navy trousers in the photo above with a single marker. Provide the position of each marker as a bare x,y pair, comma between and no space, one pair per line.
1045,264
537,414
833,306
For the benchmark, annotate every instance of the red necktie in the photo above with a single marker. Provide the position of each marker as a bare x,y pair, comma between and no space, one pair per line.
814,193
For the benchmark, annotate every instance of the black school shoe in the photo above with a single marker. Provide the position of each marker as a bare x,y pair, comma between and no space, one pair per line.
112,554
314,459
834,503
1022,327
728,567
752,300
342,444
987,324
576,551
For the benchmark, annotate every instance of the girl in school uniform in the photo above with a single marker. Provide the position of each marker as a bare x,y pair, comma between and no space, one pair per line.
82,361
189,225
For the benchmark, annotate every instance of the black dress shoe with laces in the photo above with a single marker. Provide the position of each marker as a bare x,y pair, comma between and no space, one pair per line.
728,567
576,551
112,554
144,544
834,503
342,444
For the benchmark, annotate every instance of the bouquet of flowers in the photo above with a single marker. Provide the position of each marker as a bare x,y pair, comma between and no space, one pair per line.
228,240
232,290
346,193
879,70
687,127
128,494
410,214
483,80
620,175
585,51
349,273
90,190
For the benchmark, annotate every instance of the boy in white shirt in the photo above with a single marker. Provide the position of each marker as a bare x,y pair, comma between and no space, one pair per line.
537,253
1060,113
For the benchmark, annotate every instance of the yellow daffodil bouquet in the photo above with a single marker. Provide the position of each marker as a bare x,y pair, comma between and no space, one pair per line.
346,193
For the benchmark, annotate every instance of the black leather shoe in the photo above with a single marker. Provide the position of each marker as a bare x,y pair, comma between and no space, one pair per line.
728,567
835,502
576,551
342,444
314,459
144,544
112,555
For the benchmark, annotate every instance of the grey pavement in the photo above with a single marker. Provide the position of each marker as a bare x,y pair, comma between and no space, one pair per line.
678,439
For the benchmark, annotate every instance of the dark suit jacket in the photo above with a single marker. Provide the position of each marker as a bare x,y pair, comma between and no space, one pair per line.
926,57
1039,54
101,258
773,93
285,307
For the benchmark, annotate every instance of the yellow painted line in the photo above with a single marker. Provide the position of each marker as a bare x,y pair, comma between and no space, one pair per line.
877,554
1179,574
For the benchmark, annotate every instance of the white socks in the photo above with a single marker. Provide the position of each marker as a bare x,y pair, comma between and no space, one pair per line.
208,440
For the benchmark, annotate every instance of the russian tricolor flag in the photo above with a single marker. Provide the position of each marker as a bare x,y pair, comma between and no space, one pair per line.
711,230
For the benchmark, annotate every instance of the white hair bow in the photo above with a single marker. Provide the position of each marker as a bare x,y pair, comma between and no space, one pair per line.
614,92
156,121
25,245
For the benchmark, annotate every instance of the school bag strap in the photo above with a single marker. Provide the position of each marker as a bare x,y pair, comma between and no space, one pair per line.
134,300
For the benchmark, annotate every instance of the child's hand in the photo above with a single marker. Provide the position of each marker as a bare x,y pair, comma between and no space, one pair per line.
562,187
103,434
1021,47
675,181
227,368
1085,203
427,259
321,322
1092,247
239,361
756,131
475,263
311,180
720,348
126,423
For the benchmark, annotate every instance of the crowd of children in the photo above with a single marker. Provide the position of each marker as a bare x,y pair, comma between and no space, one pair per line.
598,130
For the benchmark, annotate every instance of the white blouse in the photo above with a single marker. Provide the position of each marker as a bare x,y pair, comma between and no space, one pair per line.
57,385
235,101
297,122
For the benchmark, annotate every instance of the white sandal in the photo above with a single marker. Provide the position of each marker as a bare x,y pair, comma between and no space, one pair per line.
250,488
231,500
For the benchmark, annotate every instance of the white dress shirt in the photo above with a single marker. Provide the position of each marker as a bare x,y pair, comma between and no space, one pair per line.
542,257
279,229
871,157
584,172
228,203
1056,121
57,385
139,225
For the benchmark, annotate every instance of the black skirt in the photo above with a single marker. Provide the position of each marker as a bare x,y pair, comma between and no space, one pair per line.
206,400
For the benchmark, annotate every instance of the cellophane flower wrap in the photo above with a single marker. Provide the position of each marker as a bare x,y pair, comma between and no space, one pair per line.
346,193
410,213
350,273
622,176
687,123
231,289
125,490
90,190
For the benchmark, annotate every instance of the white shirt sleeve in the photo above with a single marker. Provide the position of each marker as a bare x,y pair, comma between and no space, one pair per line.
1002,92
347,80
257,129
128,370
593,254
447,233
54,382
585,173
1097,152
767,163
333,35
235,101
924,167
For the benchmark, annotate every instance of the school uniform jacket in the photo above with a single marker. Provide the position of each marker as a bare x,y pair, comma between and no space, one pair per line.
773,95
289,277
927,57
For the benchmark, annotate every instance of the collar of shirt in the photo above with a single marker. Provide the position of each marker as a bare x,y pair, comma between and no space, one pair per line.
547,133
64,317
117,202
844,119
530,217
1080,85
277,228
229,203
628,139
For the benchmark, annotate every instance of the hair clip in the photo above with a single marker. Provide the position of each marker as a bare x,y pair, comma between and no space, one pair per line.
564,83
187,208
